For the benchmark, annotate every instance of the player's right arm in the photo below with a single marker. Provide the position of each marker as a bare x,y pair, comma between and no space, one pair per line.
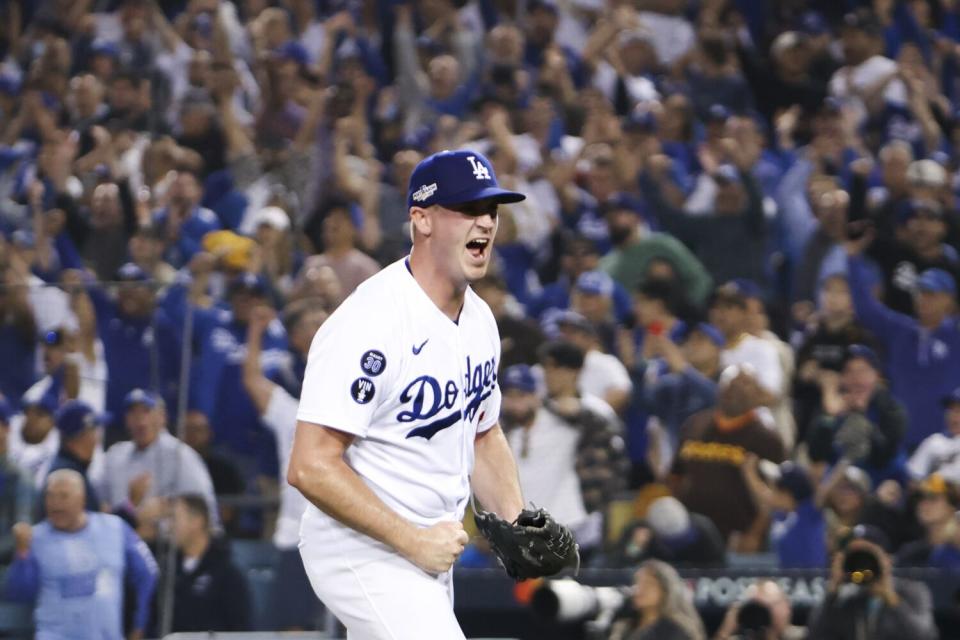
318,469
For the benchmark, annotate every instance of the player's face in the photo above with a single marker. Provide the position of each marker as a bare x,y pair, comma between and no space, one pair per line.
463,238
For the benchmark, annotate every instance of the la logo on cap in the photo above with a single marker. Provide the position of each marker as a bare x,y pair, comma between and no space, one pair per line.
480,171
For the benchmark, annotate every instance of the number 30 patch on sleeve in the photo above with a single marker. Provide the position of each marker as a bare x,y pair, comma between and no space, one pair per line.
373,362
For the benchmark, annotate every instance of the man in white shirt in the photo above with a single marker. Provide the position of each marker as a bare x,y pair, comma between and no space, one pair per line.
294,605
940,452
545,448
603,375
868,80
729,313
141,474
33,441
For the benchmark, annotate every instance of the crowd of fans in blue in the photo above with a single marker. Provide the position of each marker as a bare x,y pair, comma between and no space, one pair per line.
731,293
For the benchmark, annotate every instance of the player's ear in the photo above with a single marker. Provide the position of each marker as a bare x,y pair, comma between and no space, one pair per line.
420,222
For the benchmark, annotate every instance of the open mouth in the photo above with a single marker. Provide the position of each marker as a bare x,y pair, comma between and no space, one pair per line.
478,247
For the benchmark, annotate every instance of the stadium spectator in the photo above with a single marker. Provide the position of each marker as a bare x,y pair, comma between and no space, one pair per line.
217,388
603,376
568,448
823,346
183,220
670,533
920,351
635,247
18,493
18,327
93,552
882,607
769,595
34,440
935,508
340,252
939,451
729,312
706,474
662,607
859,420
682,380
294,604
226,476
80,432
142,474
134,329
798,532
520,337
210,592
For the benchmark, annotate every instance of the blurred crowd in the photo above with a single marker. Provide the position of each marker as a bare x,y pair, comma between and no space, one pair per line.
728,306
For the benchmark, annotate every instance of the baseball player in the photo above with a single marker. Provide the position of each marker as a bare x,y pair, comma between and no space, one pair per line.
397,421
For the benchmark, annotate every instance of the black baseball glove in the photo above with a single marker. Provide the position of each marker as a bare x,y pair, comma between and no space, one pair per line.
532,546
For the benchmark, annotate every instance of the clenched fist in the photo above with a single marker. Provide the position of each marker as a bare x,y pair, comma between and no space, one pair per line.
435,549
22,536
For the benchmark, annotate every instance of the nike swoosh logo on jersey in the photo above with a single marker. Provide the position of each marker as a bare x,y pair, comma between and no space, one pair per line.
416,349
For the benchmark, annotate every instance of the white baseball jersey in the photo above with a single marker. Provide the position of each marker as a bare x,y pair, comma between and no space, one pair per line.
413,386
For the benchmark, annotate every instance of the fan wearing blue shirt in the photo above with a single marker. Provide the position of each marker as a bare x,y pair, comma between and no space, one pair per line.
72,567
141,342
217,375
183,221
79,428
799,530
923,353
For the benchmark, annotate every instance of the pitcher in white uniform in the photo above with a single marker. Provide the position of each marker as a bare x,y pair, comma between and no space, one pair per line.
398,418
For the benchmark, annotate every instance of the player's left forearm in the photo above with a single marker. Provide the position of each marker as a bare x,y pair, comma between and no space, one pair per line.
495,481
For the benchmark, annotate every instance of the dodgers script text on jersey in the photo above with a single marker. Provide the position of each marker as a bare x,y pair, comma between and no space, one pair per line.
414,387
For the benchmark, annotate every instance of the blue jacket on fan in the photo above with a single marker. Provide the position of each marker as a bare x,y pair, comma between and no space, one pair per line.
922,365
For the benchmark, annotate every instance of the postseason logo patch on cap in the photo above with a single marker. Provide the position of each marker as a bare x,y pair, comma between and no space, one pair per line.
424,192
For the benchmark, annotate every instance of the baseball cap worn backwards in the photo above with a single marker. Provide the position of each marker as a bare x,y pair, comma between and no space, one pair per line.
456,177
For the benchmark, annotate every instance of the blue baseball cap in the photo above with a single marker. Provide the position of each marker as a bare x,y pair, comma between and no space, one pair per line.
455,177
572,319
717,113
862,352
6,411
104,48
936,281
951,398
518,376
75,417
748,288
711,332
131,272
795,480
139,396
293,50
251,282
813,23
595,283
